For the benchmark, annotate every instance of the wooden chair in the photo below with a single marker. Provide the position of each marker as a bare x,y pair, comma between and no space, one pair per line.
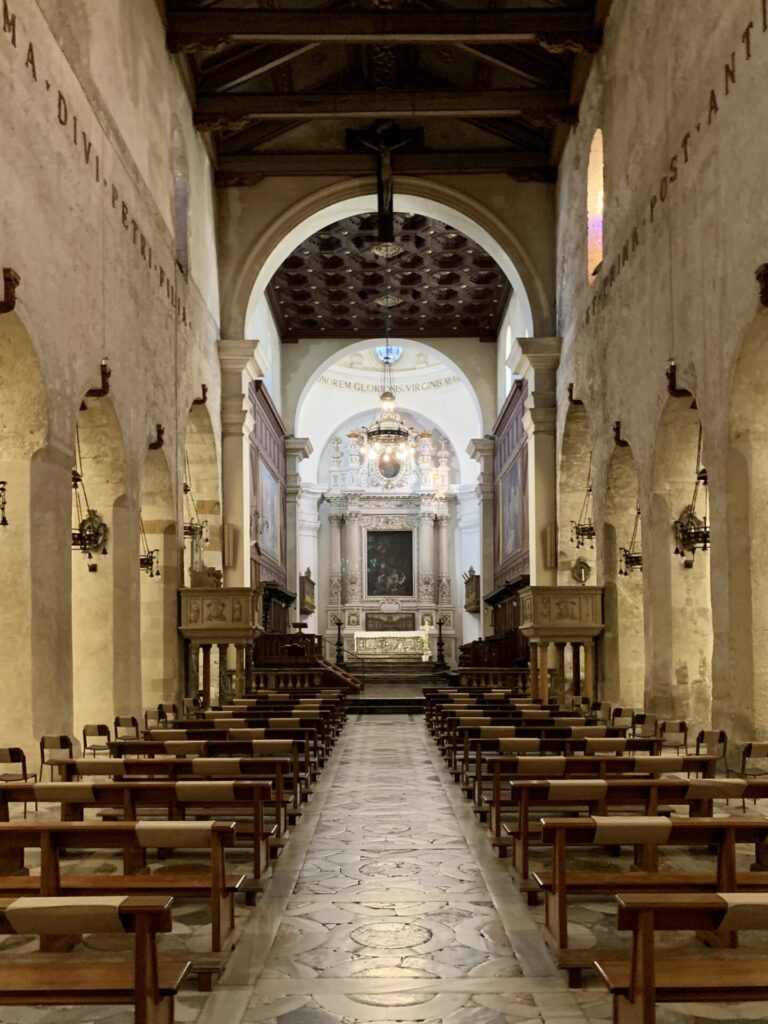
646,980
96,738
674,735
15,759
144,982
754,763
126,727
53,749
713,741
644,725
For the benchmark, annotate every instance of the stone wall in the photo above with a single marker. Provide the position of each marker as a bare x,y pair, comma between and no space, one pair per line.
90,100
678,91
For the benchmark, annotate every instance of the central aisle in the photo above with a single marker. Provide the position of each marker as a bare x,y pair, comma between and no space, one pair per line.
388,904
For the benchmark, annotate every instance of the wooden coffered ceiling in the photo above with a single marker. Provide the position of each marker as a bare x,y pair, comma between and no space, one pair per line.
478,86
440,285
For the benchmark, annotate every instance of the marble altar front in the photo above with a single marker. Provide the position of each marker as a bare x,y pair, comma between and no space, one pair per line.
390,643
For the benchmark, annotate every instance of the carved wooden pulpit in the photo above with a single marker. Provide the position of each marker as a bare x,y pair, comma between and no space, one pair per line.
222,616
561,615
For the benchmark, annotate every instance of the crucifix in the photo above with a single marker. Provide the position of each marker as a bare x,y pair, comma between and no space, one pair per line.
384,138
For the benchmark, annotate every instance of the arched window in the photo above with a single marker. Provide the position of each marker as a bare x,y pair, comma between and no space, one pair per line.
595,205
180,199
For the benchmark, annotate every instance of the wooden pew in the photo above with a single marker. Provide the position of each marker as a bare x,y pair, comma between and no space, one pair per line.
145,982
52,838
646,835
500,770
638,985
596,796
282,772
220,799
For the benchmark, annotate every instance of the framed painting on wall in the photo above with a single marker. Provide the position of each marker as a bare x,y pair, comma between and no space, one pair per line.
510,511
389,563
270,510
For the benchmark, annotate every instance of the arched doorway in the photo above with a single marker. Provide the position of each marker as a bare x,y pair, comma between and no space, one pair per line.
104,573
679,598
624,637
158,582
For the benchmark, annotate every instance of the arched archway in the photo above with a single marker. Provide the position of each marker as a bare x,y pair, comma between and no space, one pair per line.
34,550
574,497
624,637
201,499
747,481
158,584
679,599
105,640
461,420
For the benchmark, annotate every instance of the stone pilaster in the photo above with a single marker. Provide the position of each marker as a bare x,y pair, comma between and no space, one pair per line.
296,449
537,359
427,557
354,581
238,369
481,449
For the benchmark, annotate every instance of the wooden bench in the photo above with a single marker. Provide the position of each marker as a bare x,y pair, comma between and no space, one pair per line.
220,799
646,834
53,838
147,983
638,985
282,772
494,800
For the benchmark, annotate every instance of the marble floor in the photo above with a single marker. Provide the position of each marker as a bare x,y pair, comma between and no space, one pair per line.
388,904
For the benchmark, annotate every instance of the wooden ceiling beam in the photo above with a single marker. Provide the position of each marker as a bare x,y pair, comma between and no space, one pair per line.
526,63
190,27
227,109
436,162
249,64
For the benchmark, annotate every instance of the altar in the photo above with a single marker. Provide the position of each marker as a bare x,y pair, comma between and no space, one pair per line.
389,644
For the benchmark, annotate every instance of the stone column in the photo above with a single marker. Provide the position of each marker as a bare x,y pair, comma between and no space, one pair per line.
296,449
482,450
194,669
238,369
354,531
307,551
206,675
576,654
468,526
544,670
537,360
444,560
334,581
224,693
427,557
589,669
533,647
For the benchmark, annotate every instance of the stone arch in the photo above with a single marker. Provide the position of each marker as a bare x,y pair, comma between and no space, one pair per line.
104,624
747,519
624,638
357,196
574,471
159,638
678,603
306,416
34,558
202,497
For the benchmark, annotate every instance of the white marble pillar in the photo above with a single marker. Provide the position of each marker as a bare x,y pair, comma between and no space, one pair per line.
308,556
354,581
427,580
537,360
238,369
444,596
334,579
296,449
468,554
482,449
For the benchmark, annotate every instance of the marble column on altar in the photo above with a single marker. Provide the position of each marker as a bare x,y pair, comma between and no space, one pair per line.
443,555
427,556
296,449
537,360
238,369
481,449
334,579
354,581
